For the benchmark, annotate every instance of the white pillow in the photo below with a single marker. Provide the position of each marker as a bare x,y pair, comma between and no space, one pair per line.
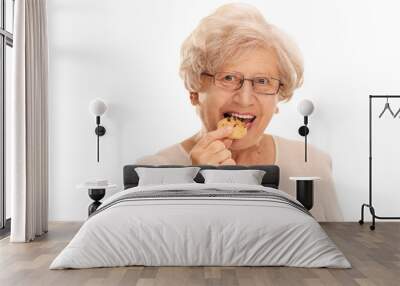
162,176
249,177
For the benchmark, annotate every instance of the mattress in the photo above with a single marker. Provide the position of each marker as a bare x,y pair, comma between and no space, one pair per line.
201,225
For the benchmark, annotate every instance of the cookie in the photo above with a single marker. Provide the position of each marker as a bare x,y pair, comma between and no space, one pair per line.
239,127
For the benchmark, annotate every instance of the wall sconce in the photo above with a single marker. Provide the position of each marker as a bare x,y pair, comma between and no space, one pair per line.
97,107
305,108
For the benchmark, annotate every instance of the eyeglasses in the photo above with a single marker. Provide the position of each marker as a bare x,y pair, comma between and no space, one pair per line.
234,81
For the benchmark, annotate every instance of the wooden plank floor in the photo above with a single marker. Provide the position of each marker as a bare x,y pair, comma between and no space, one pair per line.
374,255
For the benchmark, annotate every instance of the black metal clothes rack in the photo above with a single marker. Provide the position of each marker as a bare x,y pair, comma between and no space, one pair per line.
370,205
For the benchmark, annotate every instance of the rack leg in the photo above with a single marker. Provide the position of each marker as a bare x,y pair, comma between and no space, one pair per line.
361,221
372,210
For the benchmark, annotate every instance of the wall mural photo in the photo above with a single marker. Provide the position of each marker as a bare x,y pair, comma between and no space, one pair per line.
215,142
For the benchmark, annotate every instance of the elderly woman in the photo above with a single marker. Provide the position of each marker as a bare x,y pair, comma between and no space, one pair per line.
237,64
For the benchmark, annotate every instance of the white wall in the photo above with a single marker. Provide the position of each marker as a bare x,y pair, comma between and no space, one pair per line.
114,50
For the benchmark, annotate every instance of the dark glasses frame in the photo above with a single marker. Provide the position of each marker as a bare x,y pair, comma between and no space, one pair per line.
242,79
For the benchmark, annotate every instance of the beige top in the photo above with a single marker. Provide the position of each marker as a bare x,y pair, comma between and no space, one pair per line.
290,159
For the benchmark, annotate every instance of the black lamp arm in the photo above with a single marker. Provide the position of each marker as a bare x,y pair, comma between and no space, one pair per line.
303,131
100,131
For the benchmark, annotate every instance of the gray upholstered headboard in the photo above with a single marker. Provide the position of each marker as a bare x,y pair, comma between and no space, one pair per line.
270,179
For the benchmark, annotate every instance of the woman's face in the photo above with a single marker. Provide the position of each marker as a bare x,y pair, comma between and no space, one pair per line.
214,101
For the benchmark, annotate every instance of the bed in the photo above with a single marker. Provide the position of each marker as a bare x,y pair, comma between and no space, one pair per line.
201,224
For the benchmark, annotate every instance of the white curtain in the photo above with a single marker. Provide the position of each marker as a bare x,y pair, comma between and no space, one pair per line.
28,160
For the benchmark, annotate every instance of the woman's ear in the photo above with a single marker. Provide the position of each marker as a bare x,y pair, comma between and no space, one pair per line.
194,98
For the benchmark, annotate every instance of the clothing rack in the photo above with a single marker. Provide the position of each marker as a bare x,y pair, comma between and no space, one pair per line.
369,205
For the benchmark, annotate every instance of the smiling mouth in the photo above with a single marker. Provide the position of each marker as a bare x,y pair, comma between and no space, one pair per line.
246,118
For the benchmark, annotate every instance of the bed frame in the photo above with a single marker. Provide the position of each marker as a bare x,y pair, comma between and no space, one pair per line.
270,179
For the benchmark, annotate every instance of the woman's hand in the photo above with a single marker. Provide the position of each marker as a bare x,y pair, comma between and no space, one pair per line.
212,148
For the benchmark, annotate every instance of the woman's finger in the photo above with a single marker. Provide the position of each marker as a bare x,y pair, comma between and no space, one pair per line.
219,157
211,136
227,142
228,161
215,147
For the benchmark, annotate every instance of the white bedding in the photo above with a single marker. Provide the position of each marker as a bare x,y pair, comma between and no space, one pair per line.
200,231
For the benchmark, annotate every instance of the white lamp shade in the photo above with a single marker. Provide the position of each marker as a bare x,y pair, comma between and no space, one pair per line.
305,107
97,107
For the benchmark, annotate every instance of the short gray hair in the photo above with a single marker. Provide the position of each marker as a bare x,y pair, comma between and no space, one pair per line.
231,28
